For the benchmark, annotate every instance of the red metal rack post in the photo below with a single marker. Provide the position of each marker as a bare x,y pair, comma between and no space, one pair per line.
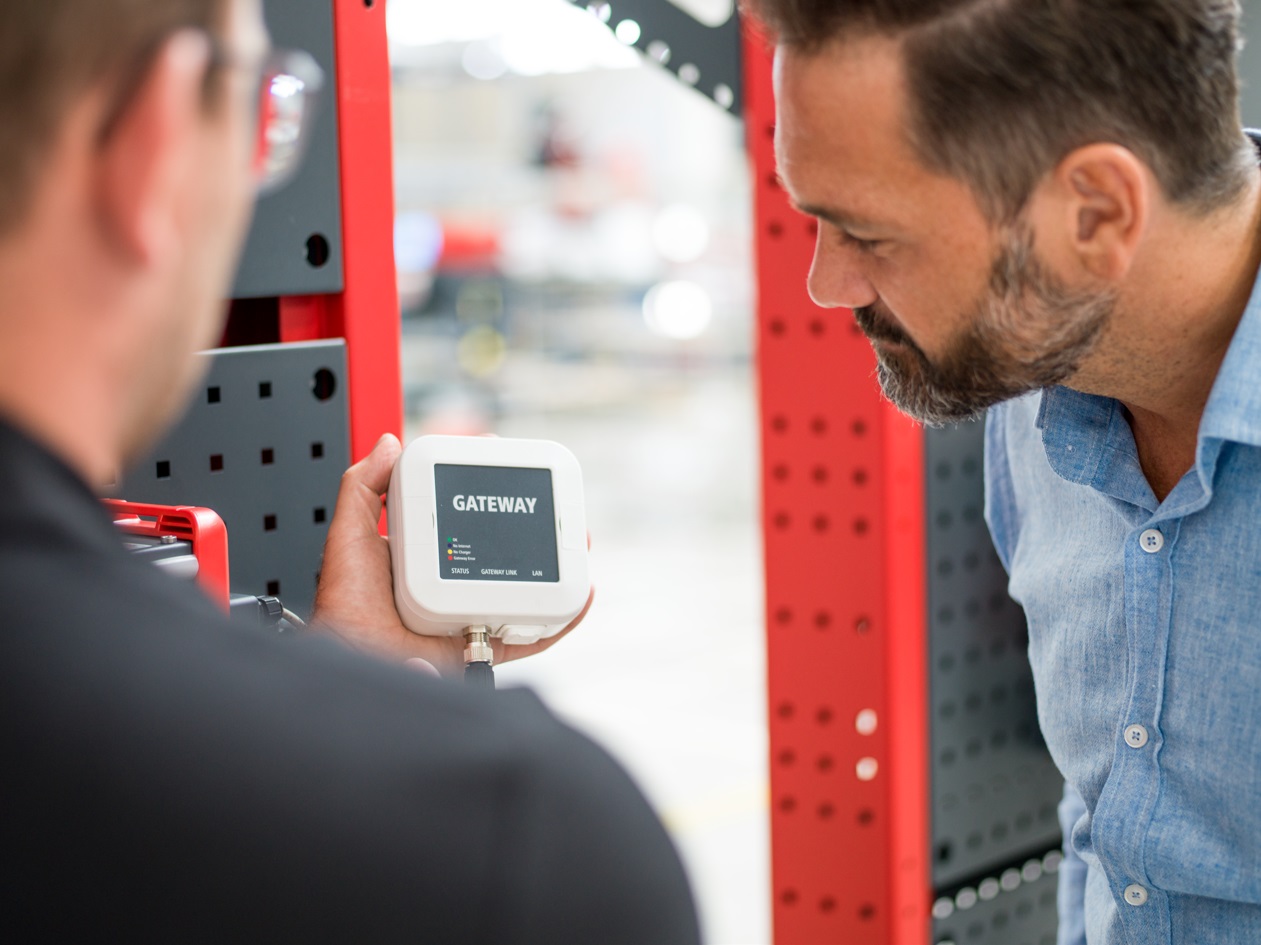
366,312
844,542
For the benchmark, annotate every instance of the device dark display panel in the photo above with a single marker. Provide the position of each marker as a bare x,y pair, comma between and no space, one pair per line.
495,523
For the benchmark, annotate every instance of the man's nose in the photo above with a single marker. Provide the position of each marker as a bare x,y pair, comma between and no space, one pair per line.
836,275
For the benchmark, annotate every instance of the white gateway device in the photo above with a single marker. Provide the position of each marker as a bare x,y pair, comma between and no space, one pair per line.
488,532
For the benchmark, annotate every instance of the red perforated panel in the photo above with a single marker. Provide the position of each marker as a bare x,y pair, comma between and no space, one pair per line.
843,519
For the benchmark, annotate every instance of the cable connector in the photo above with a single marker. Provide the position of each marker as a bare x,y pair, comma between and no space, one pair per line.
479,658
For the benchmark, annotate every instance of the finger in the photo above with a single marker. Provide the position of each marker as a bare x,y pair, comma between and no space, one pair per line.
359,496
373,471
422,666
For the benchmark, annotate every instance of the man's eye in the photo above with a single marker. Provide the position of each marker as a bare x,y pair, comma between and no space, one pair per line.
862,245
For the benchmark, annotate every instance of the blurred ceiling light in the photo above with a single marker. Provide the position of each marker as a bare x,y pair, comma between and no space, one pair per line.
530,37
482,351
483,60
680,233
709,12
568,40
681,310
627,32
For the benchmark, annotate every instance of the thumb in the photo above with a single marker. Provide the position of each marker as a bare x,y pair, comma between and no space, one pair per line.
373,471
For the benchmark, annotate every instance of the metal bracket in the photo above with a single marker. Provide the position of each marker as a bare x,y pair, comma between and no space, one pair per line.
707,58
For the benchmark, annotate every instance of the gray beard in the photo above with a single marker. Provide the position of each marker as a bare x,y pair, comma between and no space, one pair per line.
1029,331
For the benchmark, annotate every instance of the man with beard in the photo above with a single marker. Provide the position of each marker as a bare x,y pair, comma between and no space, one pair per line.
169,777
1047,209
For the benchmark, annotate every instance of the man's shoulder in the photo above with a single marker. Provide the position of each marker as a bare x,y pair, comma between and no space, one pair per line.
141,726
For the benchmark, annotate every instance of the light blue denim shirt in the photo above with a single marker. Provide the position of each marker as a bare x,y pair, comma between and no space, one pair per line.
1145,640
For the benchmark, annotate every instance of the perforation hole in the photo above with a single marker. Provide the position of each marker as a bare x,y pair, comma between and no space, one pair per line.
788,897
818,328
825,764
858,428
783,615
821,523
216,463
823,620
779,423
862,625
819,474
788,804
787,758
324,384
317,250
213,395
826,811
269,523
268,457
273,588
774,229
861,526
780,473
782,520
778,327
319,515
785,710
823,716
317,450
860,477
819,426
264,390
865,817
827,904
866,912
163,469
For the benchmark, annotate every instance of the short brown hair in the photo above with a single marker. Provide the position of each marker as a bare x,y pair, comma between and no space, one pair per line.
51,51
1002,90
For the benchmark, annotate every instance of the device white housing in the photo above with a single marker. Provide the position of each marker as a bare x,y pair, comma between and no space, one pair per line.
515,611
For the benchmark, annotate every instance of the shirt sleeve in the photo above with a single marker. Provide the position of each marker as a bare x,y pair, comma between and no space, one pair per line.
1071,898
1000,503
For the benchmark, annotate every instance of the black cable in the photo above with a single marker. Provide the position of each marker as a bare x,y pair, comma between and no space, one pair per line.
479,675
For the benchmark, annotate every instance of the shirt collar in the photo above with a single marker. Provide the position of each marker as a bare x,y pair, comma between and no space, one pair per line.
1233,411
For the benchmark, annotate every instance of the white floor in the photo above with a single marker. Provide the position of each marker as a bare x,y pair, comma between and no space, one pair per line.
668,670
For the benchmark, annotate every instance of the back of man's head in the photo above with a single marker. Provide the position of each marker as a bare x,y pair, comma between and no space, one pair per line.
53,51
1001,90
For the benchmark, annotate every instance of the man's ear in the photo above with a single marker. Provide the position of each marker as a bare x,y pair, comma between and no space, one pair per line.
1102,194
146,157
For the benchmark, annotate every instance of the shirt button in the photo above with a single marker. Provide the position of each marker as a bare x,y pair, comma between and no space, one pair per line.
1151,540
1136,736
1135,895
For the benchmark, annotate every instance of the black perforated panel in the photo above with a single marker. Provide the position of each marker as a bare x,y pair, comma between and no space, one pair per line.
264,445
1014,905
994,787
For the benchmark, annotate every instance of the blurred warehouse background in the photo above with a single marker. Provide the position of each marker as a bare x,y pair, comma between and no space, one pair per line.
574,253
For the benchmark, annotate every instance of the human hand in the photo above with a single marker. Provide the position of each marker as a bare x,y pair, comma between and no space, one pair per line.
355,598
